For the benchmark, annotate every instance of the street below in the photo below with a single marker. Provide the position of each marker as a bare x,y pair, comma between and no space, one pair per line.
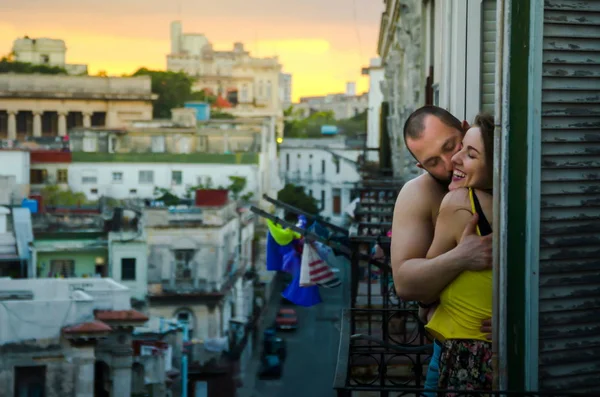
312,349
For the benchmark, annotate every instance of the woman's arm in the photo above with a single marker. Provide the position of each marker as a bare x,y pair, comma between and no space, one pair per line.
452,219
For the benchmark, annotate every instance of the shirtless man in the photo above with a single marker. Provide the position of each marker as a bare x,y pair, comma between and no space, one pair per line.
433,136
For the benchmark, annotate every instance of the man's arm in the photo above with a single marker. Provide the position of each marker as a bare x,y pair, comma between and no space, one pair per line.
415,277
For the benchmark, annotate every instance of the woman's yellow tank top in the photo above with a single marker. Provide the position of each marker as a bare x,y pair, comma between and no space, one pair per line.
464,303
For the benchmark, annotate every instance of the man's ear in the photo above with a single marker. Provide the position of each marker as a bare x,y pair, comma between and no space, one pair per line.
465,125
419,165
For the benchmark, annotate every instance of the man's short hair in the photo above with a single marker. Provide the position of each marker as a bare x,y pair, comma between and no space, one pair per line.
414,125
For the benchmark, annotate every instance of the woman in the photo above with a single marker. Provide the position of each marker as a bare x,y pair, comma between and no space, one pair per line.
465,363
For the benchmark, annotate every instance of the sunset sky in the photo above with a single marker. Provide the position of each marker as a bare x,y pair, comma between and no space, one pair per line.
323,43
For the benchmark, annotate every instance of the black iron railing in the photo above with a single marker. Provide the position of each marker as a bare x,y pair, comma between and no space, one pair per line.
381,350
372,286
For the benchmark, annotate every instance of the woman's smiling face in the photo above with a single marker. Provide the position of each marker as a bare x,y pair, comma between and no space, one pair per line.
470,163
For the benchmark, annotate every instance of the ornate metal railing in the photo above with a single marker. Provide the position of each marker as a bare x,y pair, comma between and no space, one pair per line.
372,282
381,350
385,352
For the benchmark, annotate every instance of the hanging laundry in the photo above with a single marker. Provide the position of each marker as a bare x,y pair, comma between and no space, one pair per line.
327,254
274,253
319,230
280,235
302,296
301,222
315,271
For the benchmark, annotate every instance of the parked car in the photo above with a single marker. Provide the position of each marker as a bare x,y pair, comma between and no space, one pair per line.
273,345
286,319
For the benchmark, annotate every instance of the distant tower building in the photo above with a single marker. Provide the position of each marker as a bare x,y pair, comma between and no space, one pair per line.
351,88
285,90
44,51
175,37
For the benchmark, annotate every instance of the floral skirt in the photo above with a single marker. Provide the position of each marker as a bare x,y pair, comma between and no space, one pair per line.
466,365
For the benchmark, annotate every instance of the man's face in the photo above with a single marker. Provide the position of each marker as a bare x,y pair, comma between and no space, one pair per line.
435,147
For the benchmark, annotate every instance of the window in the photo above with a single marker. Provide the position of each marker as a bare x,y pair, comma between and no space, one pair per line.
62,267
132,191
260,89
158,144
38,176
244,96
183,264
93,191
287,161
117,177
337,201
146,177
128,269
322,199
176,177
185,316
184,145
323,167
112,144
310,169
30,381
90,144
337,166
269,92
45,59
62,176
89,179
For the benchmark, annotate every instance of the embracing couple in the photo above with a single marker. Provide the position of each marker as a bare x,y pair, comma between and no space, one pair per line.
441,248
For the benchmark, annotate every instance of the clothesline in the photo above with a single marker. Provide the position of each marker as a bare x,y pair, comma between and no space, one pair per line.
306,214
315,237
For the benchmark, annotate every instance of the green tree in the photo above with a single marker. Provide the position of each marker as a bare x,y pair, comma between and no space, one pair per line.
173,90
53,196
166,196
8,66
295,196
238,184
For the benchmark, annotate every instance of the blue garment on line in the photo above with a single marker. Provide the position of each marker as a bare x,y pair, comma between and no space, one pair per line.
302,296
433,371
276,252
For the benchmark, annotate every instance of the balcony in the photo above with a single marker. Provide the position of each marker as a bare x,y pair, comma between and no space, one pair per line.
292,177
384,349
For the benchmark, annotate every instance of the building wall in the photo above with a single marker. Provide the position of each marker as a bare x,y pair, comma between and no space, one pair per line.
192,175
19,161
129,249
85,262
342,106
223,71
375,99
52,172
34,51
212,246
205,320
304,168
64,369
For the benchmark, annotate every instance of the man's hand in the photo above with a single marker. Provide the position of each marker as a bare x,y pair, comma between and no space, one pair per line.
486,328
475,251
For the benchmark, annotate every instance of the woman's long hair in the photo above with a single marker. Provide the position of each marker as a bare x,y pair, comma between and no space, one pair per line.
485,122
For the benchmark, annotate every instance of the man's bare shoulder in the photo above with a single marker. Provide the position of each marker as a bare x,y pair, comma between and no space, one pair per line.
422,192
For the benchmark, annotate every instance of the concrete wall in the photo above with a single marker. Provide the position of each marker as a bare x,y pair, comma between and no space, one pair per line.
192,175
375,100
85,262
69,372
305,169
138,251
55,85
19,165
